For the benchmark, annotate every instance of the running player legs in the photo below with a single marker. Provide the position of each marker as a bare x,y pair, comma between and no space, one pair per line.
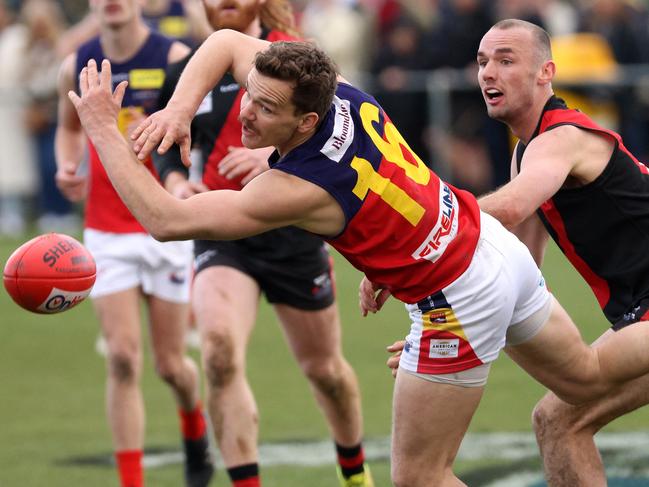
565,433
315,340
225,302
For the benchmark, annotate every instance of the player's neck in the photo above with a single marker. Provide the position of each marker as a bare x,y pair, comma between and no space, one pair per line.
122,43
296,140
524,127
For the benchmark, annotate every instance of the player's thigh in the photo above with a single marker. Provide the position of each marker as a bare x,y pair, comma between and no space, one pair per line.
594,415
429,422
168,322
225,301
119,317
311,334
557,355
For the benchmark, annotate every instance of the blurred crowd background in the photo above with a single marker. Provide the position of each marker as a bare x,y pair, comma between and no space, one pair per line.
416,56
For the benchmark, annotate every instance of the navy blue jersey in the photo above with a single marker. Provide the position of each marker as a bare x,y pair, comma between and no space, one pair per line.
145,73
602,227
359,157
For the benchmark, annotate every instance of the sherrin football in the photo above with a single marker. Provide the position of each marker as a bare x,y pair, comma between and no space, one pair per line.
49,274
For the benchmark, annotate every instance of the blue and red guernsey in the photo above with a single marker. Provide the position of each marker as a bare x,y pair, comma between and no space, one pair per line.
406,229
602,227
145,73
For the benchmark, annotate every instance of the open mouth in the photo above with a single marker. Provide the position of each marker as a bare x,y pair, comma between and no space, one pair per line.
493,94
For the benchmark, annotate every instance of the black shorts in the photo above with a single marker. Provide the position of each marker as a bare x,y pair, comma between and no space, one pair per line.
638,312
290,265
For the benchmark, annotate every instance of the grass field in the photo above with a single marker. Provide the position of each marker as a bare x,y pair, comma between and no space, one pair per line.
53,432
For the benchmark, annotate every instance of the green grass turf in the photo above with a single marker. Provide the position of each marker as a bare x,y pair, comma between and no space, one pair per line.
52,407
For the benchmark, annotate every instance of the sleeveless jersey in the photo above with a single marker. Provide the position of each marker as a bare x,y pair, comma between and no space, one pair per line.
406,229
602,227
145,74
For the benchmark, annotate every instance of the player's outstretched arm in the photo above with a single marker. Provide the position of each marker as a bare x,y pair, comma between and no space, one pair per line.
274,199
222,52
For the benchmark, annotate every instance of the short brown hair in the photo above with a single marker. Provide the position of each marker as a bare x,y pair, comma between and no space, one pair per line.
542,38
310,69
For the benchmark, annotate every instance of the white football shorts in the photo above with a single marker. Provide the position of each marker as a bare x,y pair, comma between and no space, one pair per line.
128,260
500,299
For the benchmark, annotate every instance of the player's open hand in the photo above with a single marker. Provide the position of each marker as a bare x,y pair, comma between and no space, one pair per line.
395,349
162,130
371,297
98,106
249,163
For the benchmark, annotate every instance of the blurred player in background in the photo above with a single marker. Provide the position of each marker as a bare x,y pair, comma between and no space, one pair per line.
290,266
576,182
131,264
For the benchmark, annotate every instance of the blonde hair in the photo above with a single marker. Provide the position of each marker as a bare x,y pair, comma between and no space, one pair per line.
278,15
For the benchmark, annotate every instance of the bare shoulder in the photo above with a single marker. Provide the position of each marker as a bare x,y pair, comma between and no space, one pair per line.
177,52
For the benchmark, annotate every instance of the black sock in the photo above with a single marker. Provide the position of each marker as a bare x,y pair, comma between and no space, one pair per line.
350,459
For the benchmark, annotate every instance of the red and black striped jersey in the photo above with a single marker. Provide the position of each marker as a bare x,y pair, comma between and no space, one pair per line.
601,227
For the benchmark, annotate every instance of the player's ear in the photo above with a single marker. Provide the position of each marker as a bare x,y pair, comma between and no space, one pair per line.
308,122
548,69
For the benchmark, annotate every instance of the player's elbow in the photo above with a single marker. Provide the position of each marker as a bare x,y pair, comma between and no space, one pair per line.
506,210
165,229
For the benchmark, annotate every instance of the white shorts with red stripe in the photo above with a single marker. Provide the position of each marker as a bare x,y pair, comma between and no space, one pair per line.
128,260
501,298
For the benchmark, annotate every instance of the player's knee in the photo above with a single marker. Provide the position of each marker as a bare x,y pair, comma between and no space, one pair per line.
123,365
218,359
169,370
326,376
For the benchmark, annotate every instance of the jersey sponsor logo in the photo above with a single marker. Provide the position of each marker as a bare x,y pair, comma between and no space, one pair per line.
229,88
204,257
59,299
119,77
206,104
146,79
437,316
440,348
445,228
342,134
177,277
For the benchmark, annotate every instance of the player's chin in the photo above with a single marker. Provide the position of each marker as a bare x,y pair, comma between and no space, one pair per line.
252,142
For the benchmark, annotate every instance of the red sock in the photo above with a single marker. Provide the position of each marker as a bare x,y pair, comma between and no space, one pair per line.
251,482
192,423
129,466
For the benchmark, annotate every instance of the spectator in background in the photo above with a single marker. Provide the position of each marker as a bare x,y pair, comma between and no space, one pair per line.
343,29
45,23
17,172
401,51
474,149
624,26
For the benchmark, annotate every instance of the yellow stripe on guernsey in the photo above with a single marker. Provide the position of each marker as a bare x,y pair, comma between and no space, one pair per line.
146,79
443,319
